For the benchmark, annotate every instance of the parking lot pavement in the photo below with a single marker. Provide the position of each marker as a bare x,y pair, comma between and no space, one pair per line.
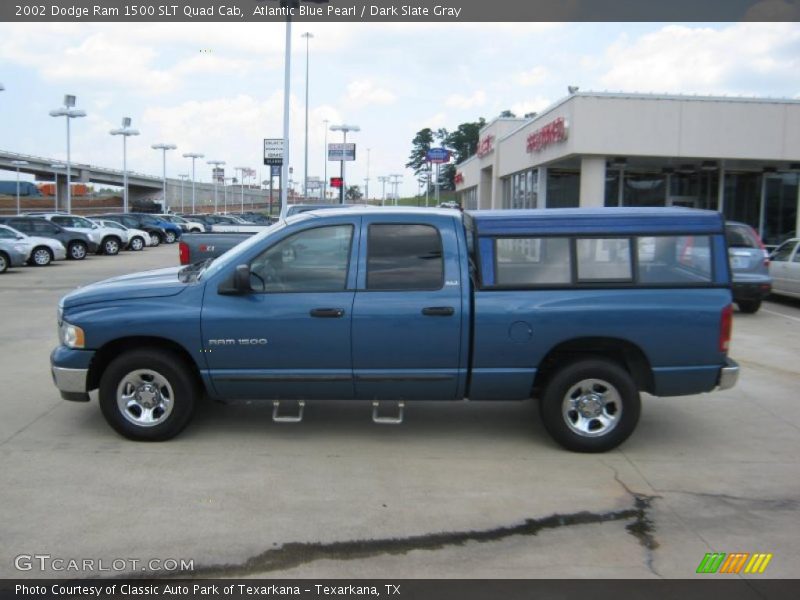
459,490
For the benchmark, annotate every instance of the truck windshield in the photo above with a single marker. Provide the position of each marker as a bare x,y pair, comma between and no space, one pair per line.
232,255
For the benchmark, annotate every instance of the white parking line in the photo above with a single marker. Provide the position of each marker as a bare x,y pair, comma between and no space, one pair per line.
779,314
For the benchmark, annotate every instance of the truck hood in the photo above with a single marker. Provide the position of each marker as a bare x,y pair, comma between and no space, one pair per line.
160,283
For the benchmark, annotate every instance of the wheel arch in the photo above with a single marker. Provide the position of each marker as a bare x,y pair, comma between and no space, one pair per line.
115,348
623,352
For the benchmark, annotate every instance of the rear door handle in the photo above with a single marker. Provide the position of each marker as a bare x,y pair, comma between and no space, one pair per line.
327,313
439,311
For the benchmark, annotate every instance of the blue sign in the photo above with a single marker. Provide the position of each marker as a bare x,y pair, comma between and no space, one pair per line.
438,155
275,171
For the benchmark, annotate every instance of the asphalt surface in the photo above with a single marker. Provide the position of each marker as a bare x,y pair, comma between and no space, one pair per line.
459,490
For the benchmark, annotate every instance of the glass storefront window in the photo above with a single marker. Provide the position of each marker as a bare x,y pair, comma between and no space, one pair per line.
563,188
520,190
468,199
742,197
780,212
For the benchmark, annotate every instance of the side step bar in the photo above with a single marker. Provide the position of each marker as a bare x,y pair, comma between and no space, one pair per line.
396,420
297,418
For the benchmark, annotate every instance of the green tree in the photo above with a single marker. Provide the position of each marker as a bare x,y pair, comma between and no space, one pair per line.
464,140
507,114
420,145
354,193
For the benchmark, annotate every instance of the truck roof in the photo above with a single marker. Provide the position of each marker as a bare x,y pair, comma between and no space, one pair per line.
599,221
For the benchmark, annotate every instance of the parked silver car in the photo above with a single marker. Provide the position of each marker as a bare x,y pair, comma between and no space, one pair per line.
784,267
750,266
41,250
12,254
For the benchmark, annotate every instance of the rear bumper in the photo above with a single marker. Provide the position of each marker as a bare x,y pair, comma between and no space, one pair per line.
751,290
728,375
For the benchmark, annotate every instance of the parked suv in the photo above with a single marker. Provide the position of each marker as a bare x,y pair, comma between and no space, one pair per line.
78,244
157,233
749,265
186,226
109,241
136,238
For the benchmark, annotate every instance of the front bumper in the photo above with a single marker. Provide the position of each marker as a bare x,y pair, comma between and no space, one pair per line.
728,375
70,371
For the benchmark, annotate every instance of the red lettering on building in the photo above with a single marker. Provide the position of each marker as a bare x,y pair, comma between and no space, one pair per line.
486,146
459,178
552,133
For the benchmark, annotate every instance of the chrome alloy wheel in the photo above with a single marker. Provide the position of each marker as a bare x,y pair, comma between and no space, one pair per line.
41,257
592,408
145,398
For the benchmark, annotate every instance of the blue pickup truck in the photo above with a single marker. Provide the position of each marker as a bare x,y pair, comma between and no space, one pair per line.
582,309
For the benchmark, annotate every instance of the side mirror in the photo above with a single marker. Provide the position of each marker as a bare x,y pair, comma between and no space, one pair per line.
240,284
20,237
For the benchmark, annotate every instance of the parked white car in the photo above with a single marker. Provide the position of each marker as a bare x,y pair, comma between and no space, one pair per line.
109,241
784,267
187,226
40,251
135,239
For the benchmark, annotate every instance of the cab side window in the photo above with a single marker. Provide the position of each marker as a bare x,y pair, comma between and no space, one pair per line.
404,257
313,260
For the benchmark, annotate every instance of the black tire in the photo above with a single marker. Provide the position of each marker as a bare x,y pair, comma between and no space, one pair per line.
749,306
111,246
170,237
77,251
41,256
137,244
167,366
3,262
156,239
615,390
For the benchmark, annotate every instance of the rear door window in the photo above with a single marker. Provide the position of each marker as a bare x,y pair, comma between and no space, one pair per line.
404,257
740,236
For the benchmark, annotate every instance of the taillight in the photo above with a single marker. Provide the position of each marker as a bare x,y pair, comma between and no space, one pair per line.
183,253
725,328
762,246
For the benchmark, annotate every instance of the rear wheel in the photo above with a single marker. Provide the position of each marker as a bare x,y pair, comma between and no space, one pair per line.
591,405
749,306
41,256
77,251
155,239
110,246
170,237
147,394
137,244
3,262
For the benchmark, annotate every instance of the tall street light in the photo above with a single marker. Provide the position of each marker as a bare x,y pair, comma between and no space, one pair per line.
396,184
241,181
307,37
18,164
216,164
125,131
382,180
70,112
56,168
344,129
183,177
366,181
193,156
325,163
164,147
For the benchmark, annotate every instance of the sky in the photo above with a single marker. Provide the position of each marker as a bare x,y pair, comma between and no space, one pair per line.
217,88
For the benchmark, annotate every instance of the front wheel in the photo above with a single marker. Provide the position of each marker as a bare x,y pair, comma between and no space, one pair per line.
749,306
3,262
170,237
591,405
147,394
137,244
155,239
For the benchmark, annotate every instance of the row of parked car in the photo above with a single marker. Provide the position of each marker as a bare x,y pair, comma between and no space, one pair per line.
37,239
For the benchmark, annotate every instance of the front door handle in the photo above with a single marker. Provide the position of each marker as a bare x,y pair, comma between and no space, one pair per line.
439,311
327,313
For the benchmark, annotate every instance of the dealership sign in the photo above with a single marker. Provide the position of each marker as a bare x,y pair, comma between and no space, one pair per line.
438,155
339,152
486,146
552,133
273,151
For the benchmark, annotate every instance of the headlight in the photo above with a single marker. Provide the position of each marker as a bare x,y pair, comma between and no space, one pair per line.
71,335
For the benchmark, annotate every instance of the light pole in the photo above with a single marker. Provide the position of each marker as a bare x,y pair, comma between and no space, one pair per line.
344,129
366,181
382,179
18,164
307,37
241,182
70,112
325,164
216,164
287,73
56,168
396,184
125,131
225,191
184,177
164,148
193,156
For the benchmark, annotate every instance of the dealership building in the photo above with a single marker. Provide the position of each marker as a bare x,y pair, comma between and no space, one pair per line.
740,156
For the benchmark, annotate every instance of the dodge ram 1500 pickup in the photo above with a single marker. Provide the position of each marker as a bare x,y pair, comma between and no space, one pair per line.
582,309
